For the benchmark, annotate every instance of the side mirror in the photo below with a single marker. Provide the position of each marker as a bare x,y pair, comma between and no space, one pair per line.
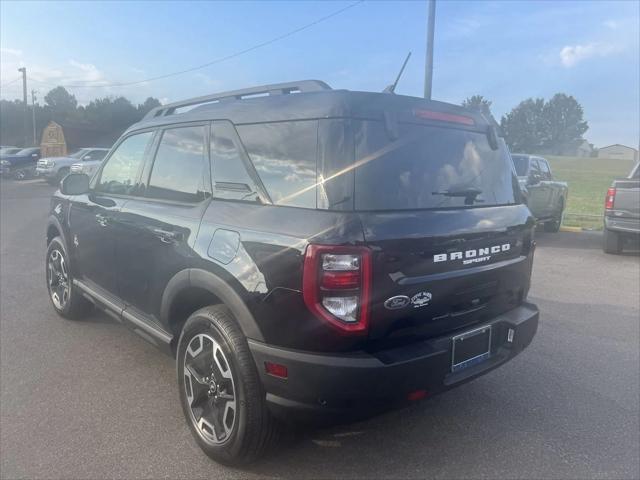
75,184
534,179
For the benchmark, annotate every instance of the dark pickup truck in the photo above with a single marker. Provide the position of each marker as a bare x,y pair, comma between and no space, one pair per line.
622,212
545,196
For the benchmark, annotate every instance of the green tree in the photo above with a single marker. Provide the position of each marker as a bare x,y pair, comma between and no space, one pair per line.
149,104
536,126
478,102
61,104
524,128
564,117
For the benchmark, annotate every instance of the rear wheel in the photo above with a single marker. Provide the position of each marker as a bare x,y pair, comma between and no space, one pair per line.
611,242
66,299
220,390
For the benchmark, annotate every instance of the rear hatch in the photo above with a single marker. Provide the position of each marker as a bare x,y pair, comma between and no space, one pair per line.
439,206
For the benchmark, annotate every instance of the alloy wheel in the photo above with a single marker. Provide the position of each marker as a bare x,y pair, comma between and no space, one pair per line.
209,389
58,279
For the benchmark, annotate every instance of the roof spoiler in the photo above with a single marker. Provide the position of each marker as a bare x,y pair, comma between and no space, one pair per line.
301,86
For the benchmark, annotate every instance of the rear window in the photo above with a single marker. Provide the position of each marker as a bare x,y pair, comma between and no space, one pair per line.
429,167
521,163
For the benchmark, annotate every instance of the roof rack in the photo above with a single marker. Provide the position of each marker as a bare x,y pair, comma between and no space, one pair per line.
263,90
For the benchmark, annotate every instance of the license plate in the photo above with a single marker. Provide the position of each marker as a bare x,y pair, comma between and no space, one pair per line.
470,348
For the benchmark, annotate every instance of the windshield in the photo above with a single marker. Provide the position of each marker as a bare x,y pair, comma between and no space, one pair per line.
8,151
521,162
429,167
78,153
27,151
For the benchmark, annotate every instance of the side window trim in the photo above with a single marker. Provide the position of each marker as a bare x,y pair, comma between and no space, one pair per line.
150,159
96,178
246,161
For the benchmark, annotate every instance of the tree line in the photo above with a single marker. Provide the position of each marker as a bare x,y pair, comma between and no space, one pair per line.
102,121
552,127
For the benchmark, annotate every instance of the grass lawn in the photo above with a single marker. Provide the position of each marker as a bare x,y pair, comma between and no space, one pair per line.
588,180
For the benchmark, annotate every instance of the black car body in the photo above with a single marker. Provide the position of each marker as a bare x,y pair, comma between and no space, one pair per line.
20,163
356,238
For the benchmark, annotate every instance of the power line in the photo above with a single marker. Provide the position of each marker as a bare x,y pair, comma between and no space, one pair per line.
9,83
218,60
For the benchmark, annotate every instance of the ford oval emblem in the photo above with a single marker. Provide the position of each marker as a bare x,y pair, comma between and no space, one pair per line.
399,301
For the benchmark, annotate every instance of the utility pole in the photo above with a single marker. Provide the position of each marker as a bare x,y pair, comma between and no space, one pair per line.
428,68
24,99
33,116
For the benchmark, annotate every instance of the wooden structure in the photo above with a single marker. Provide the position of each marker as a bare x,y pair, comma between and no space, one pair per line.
53,143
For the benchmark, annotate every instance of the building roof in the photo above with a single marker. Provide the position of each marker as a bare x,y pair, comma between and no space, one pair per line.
618,145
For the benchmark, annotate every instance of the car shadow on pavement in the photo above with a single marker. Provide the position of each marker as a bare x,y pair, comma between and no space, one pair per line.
535,417
585,240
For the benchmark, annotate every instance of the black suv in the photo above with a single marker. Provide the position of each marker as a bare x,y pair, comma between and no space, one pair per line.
305,253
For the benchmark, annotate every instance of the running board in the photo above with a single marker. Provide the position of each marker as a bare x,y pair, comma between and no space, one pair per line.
113,307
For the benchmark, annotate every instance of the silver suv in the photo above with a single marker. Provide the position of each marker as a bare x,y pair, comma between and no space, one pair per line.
54,169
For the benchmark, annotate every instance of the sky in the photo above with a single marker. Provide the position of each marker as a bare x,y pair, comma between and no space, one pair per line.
505,50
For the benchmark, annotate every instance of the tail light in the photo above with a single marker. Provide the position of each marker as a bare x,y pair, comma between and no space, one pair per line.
336,286
610,198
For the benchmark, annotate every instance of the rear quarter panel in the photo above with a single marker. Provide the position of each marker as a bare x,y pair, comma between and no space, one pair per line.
264,265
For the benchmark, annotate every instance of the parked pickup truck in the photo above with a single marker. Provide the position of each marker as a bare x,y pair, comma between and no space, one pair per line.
54,169
622,212
545,197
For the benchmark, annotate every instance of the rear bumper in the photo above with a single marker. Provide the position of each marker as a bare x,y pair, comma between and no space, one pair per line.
338,388
622,224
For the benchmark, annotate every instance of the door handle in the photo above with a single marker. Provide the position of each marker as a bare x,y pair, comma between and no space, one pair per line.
167,236
102,220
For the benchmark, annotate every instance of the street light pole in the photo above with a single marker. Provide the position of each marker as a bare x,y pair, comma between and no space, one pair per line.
24,100
33,115
428,68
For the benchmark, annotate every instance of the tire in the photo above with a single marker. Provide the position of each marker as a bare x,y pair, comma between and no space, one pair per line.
611,242
553,225
251,428
70,305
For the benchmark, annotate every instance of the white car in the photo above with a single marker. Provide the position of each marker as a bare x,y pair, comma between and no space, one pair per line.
88,167
54,169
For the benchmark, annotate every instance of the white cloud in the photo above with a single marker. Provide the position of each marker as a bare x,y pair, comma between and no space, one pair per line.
612,24
11,51
571,55
86,72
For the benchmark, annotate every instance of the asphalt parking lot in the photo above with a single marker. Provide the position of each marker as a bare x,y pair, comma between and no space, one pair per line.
92,400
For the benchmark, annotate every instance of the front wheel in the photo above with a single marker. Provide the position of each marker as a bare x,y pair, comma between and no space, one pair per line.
220,390
66,299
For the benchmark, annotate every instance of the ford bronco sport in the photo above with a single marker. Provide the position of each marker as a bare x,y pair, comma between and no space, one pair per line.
306,254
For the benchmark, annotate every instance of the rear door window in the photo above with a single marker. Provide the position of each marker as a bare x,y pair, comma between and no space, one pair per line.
231,179
429,167
284,155
180,172
544,167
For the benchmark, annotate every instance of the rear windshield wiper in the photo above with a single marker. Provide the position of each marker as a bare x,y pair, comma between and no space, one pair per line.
469,194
